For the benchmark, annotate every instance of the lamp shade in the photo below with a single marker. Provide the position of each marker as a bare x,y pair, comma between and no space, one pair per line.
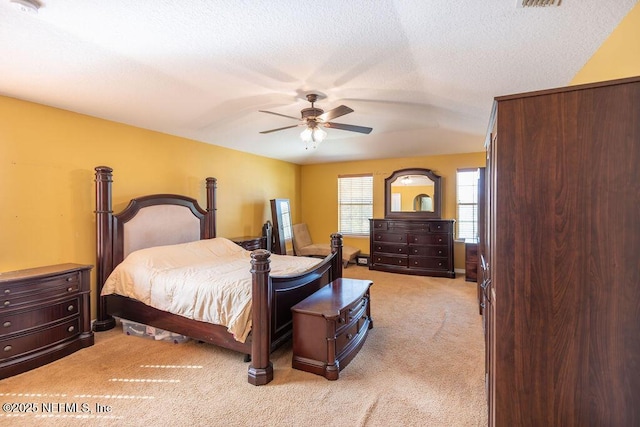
313,136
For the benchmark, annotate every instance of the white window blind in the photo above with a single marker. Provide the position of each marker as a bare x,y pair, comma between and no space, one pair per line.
355,204
467,206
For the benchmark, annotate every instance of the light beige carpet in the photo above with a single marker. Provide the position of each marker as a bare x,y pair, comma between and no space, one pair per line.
422,365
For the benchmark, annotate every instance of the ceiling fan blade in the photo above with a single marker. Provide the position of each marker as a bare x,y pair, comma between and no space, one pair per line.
278,114
352,128
275,130
336,112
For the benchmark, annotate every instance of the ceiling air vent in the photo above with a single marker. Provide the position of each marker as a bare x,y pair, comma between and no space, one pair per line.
537,3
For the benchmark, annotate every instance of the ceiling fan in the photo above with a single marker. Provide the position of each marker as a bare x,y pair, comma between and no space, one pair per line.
314,119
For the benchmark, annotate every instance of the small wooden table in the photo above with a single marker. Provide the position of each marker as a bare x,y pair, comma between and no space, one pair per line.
330,327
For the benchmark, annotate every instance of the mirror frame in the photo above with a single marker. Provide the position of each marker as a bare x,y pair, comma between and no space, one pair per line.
282,220
437,195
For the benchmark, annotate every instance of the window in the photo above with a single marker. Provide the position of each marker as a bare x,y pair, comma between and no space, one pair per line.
355,204
467,190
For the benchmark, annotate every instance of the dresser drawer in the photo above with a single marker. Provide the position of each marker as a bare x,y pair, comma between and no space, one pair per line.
23,344
428,239
429,263
31,318
380,225
429,251
379,236
441,226
28,292
401,261
390,249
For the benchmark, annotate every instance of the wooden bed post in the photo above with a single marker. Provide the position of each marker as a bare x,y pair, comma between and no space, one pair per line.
210,230
336,246
261,368
104,229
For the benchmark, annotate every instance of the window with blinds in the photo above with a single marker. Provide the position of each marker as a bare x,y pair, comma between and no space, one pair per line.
355,204
467,205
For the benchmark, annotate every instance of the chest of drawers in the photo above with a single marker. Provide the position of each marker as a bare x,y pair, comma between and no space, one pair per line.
408,246
44,315
330,327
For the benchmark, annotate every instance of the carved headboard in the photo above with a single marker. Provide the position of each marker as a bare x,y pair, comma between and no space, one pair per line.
156,220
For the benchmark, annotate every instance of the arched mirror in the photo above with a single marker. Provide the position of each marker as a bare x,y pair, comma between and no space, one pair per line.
412,193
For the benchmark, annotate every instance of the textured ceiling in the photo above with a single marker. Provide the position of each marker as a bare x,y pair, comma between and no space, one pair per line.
421,73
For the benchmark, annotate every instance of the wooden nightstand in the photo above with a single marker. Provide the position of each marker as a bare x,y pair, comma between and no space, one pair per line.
250,243
44,315
330,327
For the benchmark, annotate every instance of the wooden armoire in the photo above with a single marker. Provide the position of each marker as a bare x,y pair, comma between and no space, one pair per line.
560,257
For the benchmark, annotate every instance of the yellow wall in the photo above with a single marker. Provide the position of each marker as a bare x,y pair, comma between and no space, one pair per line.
47,165
319,190
619,55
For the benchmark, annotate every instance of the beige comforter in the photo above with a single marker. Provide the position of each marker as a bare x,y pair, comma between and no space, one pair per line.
207,280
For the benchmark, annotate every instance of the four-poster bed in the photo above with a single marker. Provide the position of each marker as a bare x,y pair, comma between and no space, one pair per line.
165,219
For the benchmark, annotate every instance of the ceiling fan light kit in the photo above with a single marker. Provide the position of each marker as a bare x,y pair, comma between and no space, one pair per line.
314,119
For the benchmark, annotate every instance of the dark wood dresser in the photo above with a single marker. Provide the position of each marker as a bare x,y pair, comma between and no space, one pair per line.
412,246
330,327
561,263
45,315
250,243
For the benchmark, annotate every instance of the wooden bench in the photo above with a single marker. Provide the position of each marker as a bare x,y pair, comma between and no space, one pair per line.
330,327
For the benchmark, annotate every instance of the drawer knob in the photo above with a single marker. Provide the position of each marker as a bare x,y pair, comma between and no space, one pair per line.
349,336
6,324
340,320
71,329
7,303
69,279
69,289
7,291
399,261
7,348
70,308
